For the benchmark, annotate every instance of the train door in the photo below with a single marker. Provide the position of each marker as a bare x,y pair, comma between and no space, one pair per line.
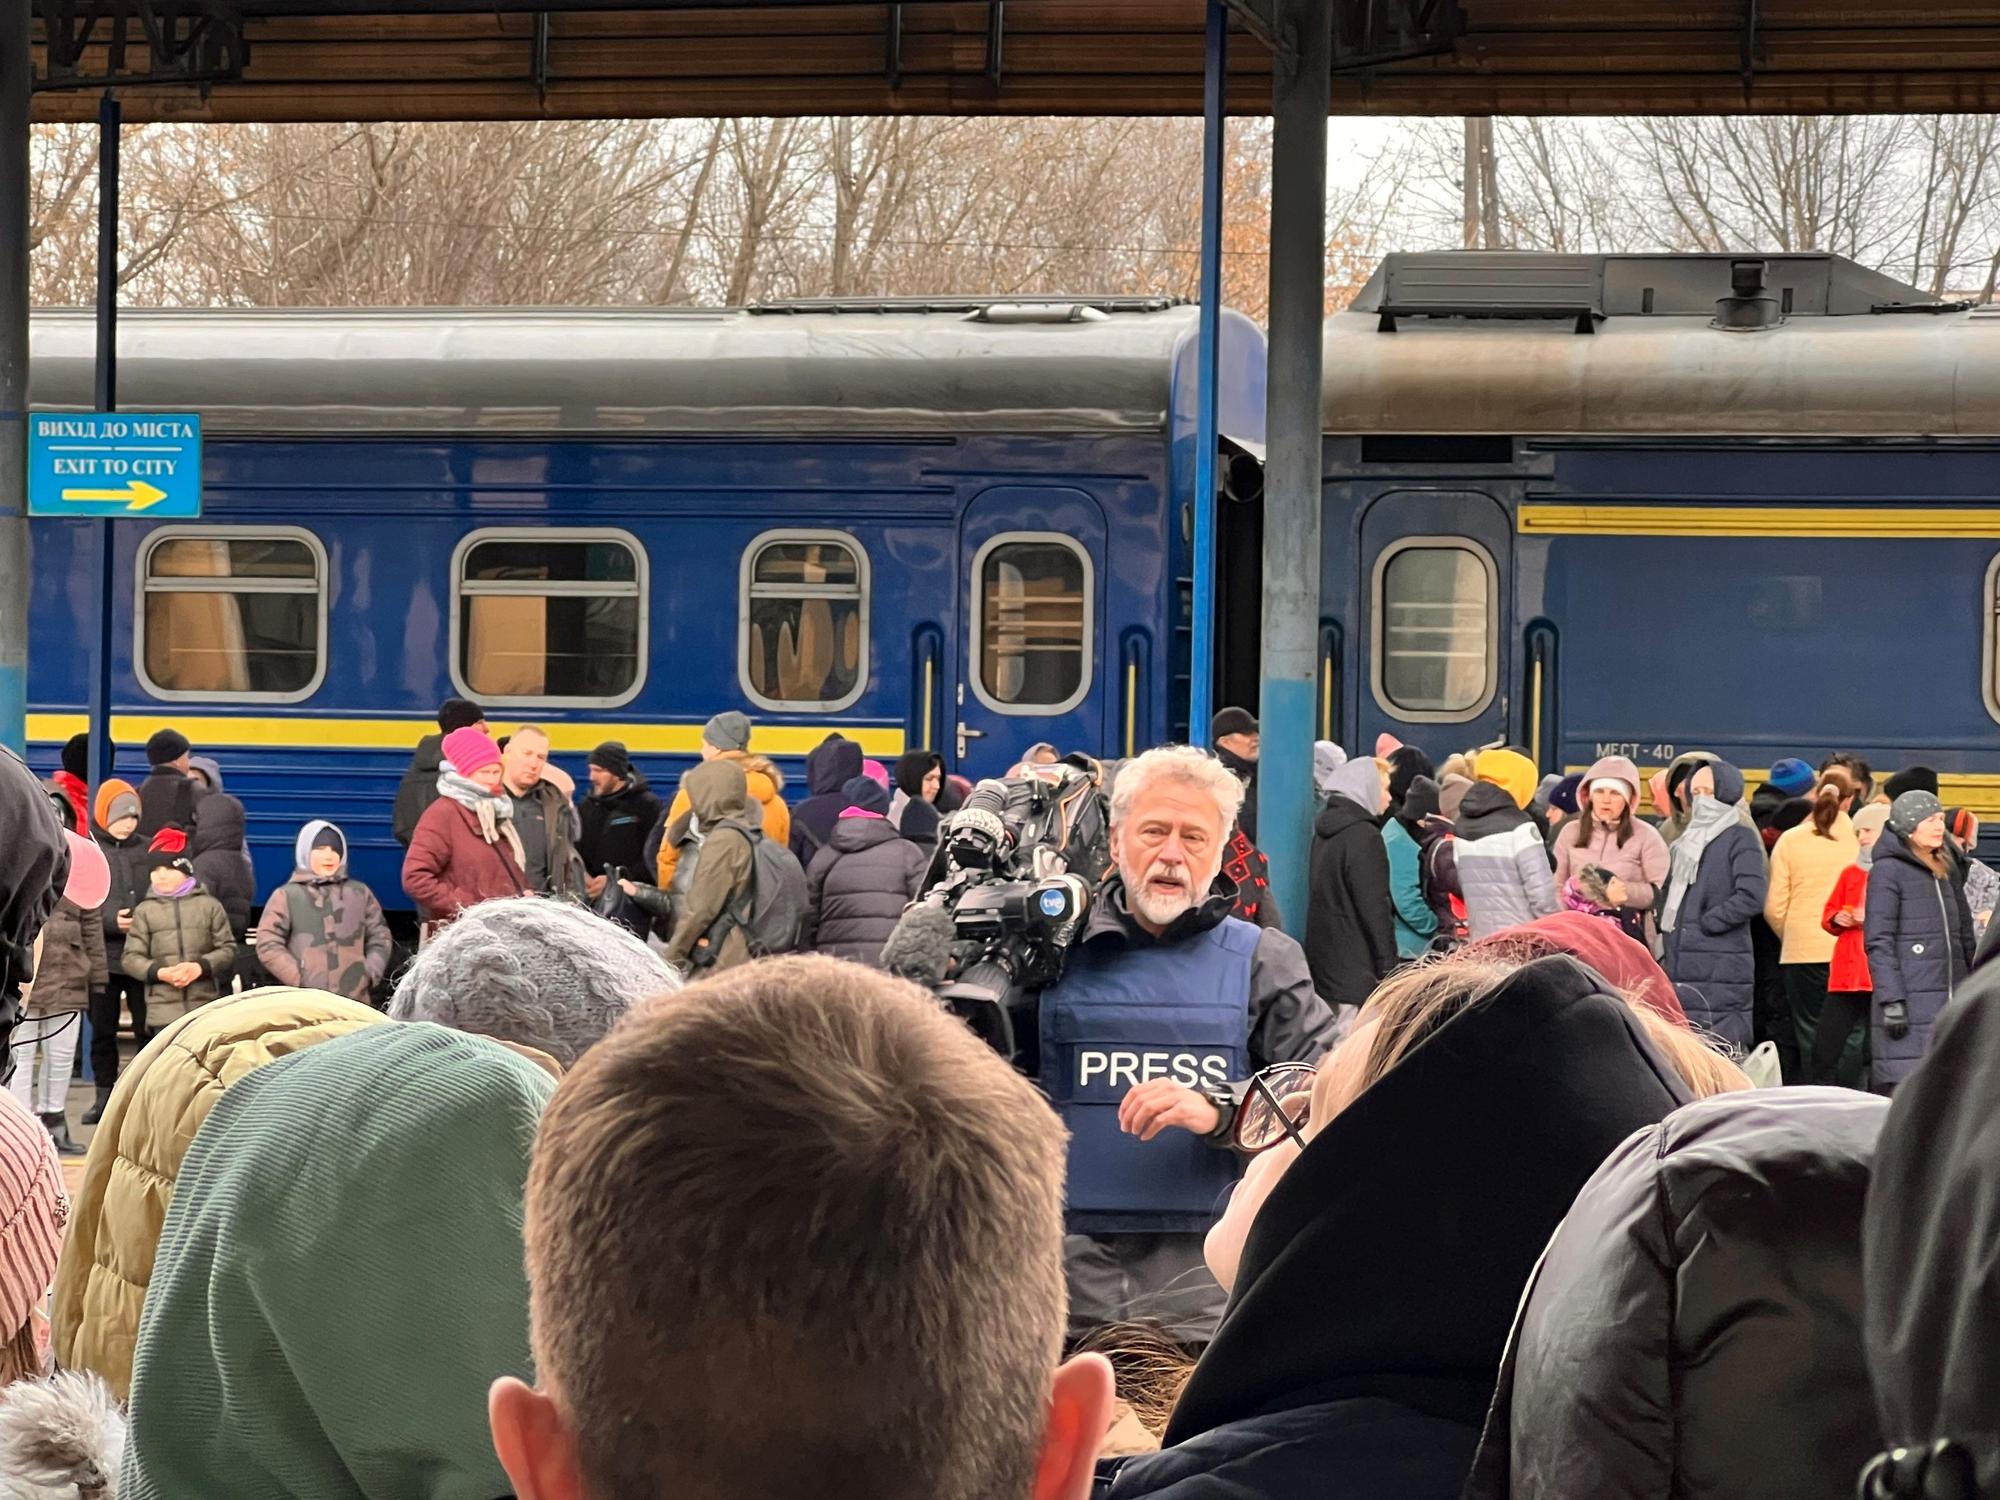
1030,661
1433,650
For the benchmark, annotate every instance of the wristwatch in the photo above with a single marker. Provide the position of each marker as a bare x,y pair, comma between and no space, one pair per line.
1224,1100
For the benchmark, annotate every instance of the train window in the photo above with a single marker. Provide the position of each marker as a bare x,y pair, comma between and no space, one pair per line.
1032,621
1990,646
1436,623
802,623
549,617
232,616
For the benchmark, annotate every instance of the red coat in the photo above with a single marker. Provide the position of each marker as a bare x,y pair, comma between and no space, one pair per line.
1848,973
450,867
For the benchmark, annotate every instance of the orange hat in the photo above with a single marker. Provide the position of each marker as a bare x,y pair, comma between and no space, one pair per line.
109,795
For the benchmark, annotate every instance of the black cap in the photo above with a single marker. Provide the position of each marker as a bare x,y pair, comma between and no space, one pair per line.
612,756
1911,779
76,756
1231,721
166,746
459,713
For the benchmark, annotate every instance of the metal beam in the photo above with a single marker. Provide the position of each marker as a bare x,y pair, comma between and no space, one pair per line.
16,96
288,9
1214,135
110,120
1259,18
1301,82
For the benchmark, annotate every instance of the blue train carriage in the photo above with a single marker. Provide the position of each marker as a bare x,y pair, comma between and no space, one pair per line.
959,524
1646,503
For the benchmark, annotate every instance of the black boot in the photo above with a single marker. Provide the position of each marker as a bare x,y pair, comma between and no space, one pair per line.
58,1128
96,1111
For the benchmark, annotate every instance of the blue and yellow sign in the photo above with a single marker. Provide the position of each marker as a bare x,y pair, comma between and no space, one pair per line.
118,463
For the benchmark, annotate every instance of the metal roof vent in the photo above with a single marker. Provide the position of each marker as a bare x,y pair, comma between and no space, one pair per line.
1747,309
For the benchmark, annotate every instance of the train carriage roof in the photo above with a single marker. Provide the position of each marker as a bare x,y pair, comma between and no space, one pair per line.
895,365
1480,342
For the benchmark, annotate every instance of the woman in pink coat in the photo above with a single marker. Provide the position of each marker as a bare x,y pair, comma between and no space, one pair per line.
1606,836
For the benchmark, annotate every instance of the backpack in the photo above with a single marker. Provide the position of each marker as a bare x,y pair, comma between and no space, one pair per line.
772,907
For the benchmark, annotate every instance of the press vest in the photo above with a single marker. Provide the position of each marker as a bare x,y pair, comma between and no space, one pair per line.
1121,1016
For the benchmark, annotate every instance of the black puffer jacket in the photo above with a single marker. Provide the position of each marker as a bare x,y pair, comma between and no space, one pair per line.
857,887
1920,943
1931,1246
220,864
1694,1328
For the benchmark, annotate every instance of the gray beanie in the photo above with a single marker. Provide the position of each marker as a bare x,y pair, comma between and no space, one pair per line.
527,969
729,730
1910,809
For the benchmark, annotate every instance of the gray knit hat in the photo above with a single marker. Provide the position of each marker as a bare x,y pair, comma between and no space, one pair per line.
1910,809
729,730
542,973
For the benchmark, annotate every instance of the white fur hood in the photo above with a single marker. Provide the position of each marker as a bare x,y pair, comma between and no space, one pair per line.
60,1439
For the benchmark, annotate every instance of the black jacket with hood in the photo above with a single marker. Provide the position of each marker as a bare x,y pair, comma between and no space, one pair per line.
1350,922
1694,1328
418,789
1931,1245
1381,1275
830,765
220,864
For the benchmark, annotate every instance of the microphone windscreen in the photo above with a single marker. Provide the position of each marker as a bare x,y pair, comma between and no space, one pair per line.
919,950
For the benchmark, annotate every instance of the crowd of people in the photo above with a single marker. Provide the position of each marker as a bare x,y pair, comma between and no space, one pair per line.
645,1175
1824,922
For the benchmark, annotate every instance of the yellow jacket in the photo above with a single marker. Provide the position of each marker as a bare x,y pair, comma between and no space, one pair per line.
767,784
135,1158
1804,870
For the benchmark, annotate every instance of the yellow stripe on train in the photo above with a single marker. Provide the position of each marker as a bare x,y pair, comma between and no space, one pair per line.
1881,521
403,734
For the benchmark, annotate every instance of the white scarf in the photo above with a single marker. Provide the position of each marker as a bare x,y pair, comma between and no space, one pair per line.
493,811
1707,820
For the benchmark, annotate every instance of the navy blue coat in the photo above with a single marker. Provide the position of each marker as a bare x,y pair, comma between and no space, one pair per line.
1709,957
1919,937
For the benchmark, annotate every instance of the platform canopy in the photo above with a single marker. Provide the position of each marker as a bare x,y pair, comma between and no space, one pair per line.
526,59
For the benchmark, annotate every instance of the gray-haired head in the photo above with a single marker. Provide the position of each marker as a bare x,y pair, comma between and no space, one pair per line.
1193,768
542,973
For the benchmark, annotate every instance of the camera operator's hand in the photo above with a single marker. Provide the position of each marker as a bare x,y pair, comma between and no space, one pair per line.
1158,1103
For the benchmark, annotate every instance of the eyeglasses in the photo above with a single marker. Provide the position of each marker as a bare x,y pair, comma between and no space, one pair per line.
1276,1105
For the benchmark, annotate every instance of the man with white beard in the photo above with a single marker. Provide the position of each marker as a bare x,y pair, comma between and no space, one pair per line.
1166,1007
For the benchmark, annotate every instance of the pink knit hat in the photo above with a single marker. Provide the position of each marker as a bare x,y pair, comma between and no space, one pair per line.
470,749
34,1210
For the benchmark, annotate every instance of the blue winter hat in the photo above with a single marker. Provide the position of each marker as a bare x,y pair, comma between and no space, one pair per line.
867,794
1793,777
1563,798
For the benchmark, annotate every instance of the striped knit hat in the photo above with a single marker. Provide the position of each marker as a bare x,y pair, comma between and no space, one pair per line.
34,1208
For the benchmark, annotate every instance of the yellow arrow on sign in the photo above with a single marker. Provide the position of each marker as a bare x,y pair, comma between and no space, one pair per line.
137,494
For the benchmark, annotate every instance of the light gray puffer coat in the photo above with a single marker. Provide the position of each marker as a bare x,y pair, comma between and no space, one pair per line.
1503,864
